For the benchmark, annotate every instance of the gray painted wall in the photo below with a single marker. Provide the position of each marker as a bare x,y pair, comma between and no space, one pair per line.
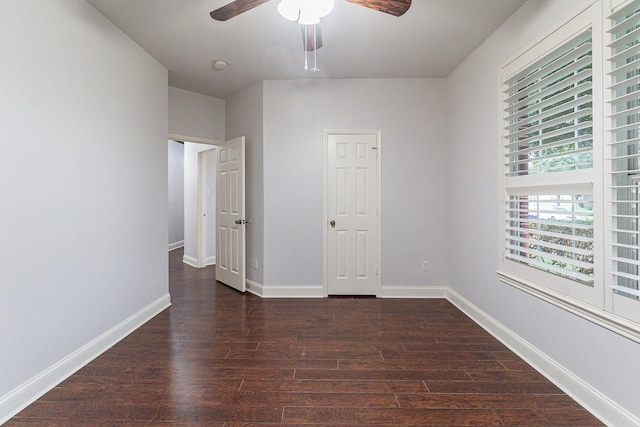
585,349
410,115
83,173
244,117
196,115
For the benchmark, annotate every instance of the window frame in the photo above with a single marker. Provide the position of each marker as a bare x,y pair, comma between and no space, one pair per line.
594,304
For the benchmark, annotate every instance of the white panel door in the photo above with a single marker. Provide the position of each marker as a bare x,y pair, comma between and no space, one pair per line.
230,214
352,214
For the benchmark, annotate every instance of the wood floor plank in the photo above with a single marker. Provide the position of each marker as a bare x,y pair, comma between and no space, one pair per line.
485,401
271,398
383,374
335,386
219,358
405,417
421,364
493,387
305,354
555,417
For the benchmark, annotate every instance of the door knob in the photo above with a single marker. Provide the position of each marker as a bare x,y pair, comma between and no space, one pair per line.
333,223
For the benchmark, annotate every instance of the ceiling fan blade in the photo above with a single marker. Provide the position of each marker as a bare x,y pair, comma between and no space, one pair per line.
392,7
311,37
235,8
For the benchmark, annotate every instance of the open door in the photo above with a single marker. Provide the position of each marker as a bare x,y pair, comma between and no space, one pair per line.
230,215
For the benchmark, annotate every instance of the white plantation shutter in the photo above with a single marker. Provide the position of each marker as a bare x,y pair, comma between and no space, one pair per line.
570,122
549,112
551,234
548,161
624,173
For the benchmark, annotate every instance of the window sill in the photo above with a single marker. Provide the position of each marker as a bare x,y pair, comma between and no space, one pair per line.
617,324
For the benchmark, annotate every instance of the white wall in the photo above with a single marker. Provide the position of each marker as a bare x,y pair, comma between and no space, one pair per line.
410,115
587,350
83,183
195,115
244,117
210,205
191,151
176,194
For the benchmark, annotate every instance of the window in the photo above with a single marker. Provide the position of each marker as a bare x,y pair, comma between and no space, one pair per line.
548,146
624,174
570,123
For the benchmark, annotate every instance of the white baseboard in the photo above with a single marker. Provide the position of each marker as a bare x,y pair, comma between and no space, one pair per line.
413,292
176,245
193,262
285,291
253,287
21,397
190,261
590,398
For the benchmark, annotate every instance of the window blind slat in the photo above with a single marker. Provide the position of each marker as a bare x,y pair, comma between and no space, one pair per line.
626,97
542,243
576,129
576,72
537,253
521,107
548,67
577,238
523,121
584,278
628,37
575,140
554,156
551,123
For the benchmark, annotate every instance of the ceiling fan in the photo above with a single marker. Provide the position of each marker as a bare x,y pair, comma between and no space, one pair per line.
312,38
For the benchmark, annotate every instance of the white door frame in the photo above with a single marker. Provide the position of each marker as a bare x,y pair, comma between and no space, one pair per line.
325,214
201,239
201,248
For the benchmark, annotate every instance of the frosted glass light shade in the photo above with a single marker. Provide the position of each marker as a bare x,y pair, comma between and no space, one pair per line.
290,9
306,12
308,18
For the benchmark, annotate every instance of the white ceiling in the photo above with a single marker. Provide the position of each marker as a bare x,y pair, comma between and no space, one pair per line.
430,40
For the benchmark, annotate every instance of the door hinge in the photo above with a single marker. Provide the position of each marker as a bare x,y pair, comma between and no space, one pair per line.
377,270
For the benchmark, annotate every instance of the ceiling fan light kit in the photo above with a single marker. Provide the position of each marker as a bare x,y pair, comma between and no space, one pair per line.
306,12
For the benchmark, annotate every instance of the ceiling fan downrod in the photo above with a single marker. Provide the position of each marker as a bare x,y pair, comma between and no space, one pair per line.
314,35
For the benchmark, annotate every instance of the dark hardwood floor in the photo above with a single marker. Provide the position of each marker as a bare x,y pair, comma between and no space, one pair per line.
220,358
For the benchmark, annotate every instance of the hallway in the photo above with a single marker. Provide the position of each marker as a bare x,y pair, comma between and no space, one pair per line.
220,358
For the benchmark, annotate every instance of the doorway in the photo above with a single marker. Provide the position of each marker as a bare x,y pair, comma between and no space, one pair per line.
224,201
352,212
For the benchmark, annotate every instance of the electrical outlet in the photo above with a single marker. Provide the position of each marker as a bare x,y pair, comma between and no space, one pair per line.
255,264
425,265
